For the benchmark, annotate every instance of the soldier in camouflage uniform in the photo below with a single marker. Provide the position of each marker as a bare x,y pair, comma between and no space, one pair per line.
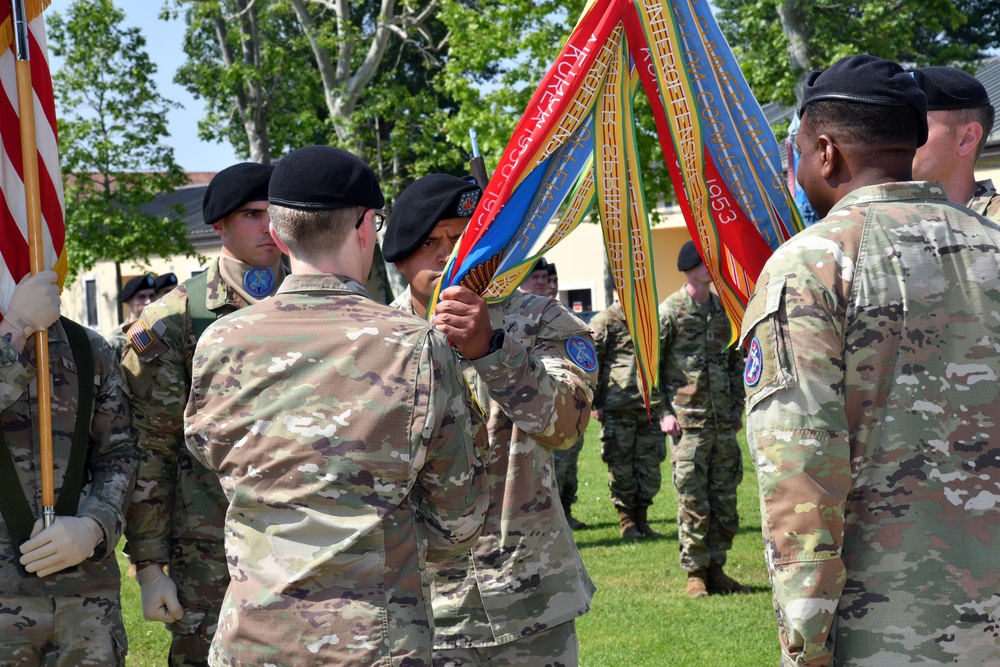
346,440
959,123
59,591
138,293
177,510
513,598
701,377
871,338
632,444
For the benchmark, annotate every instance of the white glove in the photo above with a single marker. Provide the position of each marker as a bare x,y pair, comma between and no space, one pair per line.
67,542
159,595
35,303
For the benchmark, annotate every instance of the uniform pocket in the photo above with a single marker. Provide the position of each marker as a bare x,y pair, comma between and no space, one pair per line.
769,363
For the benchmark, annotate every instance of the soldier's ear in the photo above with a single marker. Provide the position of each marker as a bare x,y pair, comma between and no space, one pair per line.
830,155
969,135
277,241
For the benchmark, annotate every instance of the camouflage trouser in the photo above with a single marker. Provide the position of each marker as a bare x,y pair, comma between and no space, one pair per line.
633,448
199,569
707,467
566,471
63,631
555,647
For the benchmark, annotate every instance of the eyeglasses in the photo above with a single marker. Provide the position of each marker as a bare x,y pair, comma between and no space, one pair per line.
378,219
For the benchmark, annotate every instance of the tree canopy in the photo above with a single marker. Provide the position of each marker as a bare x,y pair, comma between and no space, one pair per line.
112,131
778,42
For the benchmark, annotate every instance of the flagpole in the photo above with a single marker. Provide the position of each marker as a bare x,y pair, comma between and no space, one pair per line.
29,157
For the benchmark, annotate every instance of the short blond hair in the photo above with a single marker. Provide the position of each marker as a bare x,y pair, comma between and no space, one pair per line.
313,234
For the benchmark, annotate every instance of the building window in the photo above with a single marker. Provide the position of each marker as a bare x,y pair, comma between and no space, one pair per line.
90,299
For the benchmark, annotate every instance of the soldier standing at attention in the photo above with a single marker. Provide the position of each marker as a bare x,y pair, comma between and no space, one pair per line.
345,438
632,444
59,589
177,511
513,598
702,379
871,337
959,122
138,293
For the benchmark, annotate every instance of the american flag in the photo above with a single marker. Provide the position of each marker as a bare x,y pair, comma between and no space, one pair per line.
13,206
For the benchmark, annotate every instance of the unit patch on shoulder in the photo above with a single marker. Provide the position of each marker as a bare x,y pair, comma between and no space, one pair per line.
467,203
258,281
582,353
755,364
140,337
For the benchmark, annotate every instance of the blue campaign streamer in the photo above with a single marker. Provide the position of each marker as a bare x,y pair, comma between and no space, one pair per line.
499,234
734,129
561,171
520,224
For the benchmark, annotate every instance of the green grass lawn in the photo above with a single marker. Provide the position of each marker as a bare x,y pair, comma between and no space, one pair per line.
640,615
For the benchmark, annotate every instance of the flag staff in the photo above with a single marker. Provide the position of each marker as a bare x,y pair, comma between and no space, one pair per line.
29,158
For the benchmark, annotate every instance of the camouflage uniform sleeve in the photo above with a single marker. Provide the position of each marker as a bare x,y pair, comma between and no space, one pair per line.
159,381
667,333
543,390
452,482
798,437
600,325
15,374
114,456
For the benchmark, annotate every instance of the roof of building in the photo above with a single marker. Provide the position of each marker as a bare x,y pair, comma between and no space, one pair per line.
189,197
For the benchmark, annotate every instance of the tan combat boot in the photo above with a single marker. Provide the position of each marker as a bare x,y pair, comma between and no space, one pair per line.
629,530
720,582
642,523
696,587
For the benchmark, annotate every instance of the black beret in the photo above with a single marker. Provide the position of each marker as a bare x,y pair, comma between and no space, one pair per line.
166,280
419,208
233,187
688,257
136,284
950,88
869,80
541,264
323,178
552,269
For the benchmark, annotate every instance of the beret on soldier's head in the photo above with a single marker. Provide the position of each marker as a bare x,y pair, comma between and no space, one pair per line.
233,187
136,284
541,265
419,208
950,88
869,80
688,257
164,281
551,268
324,178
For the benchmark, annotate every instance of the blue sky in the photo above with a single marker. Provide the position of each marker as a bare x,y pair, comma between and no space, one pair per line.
164,42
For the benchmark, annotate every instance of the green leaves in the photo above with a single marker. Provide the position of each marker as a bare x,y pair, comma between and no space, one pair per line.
112,123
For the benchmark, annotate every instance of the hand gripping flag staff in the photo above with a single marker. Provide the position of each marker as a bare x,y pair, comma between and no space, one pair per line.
32,230
575,146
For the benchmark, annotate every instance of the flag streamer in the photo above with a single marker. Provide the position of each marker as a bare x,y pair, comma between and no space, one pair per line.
574,150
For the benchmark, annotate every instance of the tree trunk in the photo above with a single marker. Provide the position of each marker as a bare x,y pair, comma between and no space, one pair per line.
118,292
796,29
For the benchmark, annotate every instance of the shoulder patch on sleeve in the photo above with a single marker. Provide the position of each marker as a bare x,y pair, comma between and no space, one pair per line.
582,353
147,340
